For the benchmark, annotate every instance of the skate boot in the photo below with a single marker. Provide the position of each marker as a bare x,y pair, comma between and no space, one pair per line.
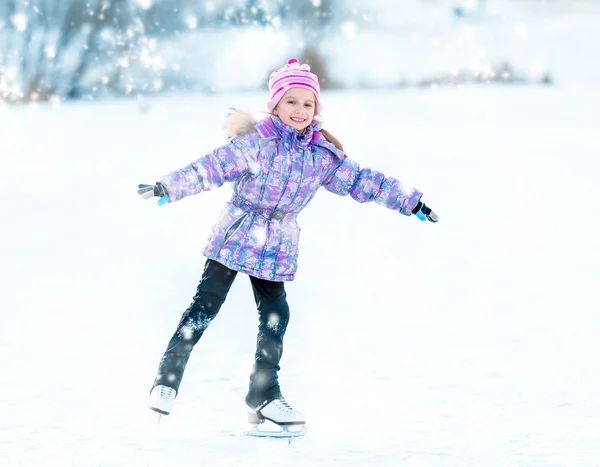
161,399
276,419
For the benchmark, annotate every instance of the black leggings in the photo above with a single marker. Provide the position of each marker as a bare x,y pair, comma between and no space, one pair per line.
273,317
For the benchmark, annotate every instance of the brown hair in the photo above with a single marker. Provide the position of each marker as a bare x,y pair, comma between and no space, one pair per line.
332,139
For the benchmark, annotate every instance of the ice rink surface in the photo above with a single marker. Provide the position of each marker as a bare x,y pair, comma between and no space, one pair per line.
472,342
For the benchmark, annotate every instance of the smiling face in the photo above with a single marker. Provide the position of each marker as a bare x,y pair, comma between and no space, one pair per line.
296,108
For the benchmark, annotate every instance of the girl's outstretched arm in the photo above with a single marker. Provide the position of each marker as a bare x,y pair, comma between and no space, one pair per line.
346,177
225,164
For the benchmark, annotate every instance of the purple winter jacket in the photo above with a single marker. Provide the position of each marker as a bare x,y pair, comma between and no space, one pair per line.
277,171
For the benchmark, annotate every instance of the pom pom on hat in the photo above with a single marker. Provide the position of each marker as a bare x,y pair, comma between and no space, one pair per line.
293,75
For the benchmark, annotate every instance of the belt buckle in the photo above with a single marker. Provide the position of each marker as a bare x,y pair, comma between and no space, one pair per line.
277,215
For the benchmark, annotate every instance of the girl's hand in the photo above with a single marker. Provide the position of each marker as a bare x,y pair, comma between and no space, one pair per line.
424,212
149,191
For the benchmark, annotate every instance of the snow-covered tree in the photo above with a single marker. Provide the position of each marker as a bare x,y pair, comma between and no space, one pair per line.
68,48
88,48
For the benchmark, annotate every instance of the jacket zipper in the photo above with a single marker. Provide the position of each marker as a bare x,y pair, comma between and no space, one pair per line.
262,256
262,193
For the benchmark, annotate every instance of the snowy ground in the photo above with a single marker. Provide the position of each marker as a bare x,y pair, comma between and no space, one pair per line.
473,342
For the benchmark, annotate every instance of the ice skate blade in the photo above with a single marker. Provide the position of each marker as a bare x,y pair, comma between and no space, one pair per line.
272,430
161,412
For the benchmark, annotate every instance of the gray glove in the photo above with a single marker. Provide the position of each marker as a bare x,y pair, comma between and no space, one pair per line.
149,191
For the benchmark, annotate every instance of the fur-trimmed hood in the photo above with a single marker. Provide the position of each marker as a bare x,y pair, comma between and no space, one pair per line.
239,122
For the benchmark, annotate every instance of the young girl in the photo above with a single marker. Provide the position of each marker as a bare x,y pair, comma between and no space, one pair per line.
277,164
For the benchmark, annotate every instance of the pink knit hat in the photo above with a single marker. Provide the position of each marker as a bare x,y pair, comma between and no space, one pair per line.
293,75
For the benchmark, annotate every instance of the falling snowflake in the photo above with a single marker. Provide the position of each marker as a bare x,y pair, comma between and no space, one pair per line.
187,333
349,29
276,22
50,51
144,4
274,324
195,326
19,21
191,22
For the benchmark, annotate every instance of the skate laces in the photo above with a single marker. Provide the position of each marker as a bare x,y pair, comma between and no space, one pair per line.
284,403
165,392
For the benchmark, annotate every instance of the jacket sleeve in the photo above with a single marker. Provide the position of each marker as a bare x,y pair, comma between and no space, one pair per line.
227,163
346,177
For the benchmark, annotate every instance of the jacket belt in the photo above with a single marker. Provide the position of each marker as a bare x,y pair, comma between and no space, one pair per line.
271,214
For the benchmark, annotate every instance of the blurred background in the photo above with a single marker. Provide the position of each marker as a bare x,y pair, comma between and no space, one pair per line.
55,50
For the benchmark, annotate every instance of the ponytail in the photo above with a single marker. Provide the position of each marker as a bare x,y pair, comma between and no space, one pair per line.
332,139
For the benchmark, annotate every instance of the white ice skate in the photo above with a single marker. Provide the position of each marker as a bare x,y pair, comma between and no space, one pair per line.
276,419
161,399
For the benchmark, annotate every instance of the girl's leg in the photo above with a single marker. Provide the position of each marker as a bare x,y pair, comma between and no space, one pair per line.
273,317
210,295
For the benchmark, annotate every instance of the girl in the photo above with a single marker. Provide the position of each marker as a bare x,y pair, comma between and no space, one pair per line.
277,164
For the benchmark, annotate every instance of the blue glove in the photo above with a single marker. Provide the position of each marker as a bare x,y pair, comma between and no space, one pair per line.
149,191
424,212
